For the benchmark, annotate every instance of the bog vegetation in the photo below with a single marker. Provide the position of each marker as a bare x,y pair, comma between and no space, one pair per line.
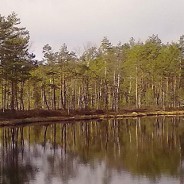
108,77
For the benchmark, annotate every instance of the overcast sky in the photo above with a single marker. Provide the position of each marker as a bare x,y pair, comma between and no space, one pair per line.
77,22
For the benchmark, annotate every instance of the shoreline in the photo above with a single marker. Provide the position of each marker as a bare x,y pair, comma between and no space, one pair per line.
35,120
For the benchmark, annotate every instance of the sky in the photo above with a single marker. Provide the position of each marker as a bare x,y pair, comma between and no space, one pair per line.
80,23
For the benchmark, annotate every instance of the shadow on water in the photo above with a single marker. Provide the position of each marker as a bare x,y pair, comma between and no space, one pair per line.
148,150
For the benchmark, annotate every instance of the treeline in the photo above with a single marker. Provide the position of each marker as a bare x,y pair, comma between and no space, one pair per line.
108,77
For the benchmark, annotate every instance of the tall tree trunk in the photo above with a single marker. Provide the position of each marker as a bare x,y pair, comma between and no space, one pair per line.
174,91
54,94
21,96
64,100
45,98
117,91
3,95
86,93
106,100
29,98
136,88
16,97
12,95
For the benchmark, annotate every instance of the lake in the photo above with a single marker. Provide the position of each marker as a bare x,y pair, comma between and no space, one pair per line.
116,151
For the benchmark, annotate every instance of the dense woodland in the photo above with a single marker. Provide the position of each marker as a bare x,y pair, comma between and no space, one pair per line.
109,77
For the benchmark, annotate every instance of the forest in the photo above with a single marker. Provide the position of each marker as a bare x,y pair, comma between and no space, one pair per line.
109,77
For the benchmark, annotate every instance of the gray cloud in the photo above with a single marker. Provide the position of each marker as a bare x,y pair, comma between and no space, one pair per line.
75,22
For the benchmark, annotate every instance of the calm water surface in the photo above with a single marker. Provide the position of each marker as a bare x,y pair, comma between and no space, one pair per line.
128,151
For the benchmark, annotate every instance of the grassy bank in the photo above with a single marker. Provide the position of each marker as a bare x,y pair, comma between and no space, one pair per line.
43,116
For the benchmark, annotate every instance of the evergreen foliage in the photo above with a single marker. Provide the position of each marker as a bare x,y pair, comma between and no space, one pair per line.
111,77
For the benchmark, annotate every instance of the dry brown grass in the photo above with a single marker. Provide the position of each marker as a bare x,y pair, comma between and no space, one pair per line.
38,113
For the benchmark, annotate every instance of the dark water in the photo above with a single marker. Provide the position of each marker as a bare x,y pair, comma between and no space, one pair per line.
129,151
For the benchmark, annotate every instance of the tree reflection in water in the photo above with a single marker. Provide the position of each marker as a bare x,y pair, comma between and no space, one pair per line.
150,148
15,168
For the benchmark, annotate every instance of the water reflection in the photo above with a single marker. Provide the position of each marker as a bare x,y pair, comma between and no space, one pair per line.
140,150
